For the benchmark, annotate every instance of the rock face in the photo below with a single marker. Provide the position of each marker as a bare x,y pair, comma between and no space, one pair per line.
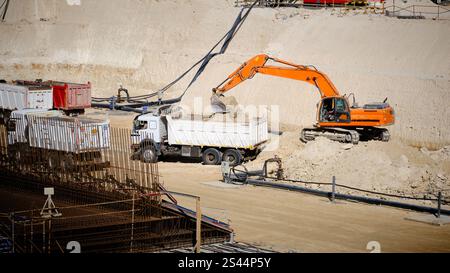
140,45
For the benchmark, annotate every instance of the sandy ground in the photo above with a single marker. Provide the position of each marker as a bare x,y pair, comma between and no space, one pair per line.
287,221
392,167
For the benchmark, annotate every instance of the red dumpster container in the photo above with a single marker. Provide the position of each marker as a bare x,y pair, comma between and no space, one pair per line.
330,2
71,97
341,2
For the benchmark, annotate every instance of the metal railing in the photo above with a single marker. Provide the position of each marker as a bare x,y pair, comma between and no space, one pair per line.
417,11
436,12
241,175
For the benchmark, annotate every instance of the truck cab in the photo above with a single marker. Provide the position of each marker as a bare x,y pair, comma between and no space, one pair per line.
147,136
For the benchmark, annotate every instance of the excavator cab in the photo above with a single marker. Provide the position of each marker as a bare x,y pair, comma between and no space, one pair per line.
334,109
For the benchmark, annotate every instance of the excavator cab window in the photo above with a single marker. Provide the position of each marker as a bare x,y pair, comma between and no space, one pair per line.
140,125
334,110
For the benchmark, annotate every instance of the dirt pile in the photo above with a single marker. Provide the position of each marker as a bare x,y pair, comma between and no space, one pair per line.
392,167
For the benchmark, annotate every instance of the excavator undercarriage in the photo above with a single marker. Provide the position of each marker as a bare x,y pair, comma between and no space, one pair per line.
347,135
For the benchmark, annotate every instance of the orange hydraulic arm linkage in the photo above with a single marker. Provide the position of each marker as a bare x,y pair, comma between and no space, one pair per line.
257,64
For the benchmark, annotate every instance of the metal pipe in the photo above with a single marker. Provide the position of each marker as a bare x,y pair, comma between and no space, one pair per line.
333,189
439,205
363,199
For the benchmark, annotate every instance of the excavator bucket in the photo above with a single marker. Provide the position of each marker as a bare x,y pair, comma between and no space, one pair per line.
217,105
221,104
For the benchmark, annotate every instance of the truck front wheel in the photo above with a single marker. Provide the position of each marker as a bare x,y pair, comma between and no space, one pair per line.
211,156
233,157
148,154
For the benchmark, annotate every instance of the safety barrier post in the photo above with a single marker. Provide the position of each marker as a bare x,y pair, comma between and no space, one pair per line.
439,205
198,235
112,104
393,8
333,188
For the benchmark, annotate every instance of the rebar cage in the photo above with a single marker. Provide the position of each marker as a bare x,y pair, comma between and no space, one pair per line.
106,202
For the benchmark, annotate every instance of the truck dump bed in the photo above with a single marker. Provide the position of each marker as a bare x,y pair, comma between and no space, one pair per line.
196,131
17,97
71,96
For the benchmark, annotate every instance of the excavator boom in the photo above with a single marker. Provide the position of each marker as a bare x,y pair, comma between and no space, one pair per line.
257,64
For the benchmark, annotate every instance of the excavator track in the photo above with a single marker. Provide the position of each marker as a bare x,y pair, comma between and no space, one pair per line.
335,134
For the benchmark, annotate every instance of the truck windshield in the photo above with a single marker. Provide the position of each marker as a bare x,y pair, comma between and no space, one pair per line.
140,125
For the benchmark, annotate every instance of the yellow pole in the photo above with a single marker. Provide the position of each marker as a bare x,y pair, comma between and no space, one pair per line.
199,226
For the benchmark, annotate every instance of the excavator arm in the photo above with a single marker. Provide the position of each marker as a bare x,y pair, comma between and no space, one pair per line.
257,64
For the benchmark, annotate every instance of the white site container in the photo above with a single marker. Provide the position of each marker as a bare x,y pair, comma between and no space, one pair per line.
18,123
211,133
17,97
52,130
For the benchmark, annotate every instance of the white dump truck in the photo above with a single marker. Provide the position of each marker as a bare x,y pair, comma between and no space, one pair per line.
56,141
17,97
212,139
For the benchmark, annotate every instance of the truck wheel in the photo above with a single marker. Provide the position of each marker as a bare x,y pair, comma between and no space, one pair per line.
211,156
233,157
148,154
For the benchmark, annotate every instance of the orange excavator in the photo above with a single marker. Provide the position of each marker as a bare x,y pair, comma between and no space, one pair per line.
336,119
